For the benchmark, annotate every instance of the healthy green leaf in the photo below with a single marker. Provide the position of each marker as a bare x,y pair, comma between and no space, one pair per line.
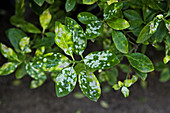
109,2
101,60
118,23
8,52
63,38
125,91
165,75
65,81
45,19
142,75
14,36
94,29
89,2
89,85
39,2
79,67
50,1
8,68
78,35
69,5
113,10
51,62
112,76
24,44
134,78
128,82
140,62
120,41
20,71
116,87
86,17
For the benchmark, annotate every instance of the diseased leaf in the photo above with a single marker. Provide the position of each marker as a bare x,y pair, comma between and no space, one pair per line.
94,29
89,2
101,60
24,44
8,52
69,5
140,62
78,35
63,38
65,81
86,17
8,68
89,85
45,19
118,23
113,10
120,41
37,83
125,91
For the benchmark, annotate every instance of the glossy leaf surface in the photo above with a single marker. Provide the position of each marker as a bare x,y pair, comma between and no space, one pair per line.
89,85
8,68
65,81
86,17
69,5
89,2
120,41
20,71
140,62
24,44
125,91
142,75
101,60
63,38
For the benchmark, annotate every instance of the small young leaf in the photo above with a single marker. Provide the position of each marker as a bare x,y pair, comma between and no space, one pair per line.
86,17
89,2
128,82
20,71
89,85
134,78
125,91
45,19
118,23
24,44
120,41
140,62
101,60
63,38
65,82
94,29
39,2
8,52
8,68
70,4
78,35
113,10
79,67
116,87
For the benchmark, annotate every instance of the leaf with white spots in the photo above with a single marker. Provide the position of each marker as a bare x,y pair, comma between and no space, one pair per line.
118,23
8,68
89,2
37,83
8,52
51,62
69,5
101,60
89,85
78,35
63,38
65,82
86,17
120,41
35,72
24,44
113,10
94,29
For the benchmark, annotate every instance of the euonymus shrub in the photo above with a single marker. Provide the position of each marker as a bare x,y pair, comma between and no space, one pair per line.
121,27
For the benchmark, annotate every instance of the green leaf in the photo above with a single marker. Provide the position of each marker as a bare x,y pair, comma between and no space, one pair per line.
89,2
165,75
167,24
167,50
125,68
8,52
24,44
120,41
45,19
35,72
37,83
125,91
134,78
101,60
89,85
79,67
94,29
39,2
109,2
116,87
118,23
8,68
70,4
24,25
78,35
50,1
20,71
65,81
19,8
86,17
63,38
14,36
140,62
113,10
51,62
128,82
144,34
112,76
142,75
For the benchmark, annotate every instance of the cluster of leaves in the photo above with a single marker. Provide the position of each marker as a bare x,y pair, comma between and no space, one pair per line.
36,55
